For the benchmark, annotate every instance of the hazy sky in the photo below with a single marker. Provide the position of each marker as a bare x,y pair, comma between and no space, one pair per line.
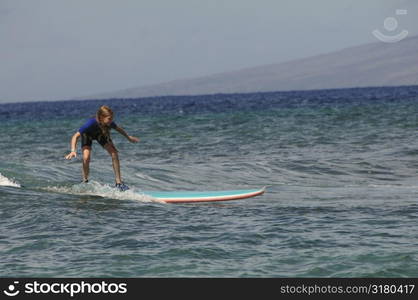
59,49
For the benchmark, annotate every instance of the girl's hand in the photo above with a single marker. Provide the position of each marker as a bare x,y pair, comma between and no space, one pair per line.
133,139
71,155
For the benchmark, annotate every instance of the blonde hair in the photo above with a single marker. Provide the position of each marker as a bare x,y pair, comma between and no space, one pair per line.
103,112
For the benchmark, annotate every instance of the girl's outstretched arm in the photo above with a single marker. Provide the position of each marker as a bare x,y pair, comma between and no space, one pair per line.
74,140
132,139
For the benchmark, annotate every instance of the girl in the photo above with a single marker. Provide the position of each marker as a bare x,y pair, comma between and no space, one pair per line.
98,129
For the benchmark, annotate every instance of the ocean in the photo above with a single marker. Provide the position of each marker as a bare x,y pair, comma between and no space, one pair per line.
340,167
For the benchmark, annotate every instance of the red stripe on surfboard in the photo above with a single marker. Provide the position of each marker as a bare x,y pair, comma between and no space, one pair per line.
215,198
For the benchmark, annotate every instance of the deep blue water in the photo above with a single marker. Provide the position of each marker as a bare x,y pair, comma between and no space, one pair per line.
340,168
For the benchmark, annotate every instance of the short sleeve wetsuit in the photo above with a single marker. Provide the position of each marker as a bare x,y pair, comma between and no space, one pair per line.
91,131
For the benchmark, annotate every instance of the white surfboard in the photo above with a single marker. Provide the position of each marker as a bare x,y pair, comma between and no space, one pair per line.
207,196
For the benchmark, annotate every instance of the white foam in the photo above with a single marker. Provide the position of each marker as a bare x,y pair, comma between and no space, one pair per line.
4,181
146,177
94,188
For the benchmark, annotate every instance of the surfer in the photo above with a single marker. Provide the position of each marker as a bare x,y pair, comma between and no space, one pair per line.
98,129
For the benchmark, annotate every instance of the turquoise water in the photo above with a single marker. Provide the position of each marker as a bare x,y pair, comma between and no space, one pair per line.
340,168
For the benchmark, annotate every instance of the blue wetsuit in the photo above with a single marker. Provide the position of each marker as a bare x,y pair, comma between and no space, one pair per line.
91,131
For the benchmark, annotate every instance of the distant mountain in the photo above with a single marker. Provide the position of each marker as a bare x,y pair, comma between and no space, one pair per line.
376,64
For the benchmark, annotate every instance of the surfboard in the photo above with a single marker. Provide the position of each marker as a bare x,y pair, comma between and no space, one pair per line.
208,196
